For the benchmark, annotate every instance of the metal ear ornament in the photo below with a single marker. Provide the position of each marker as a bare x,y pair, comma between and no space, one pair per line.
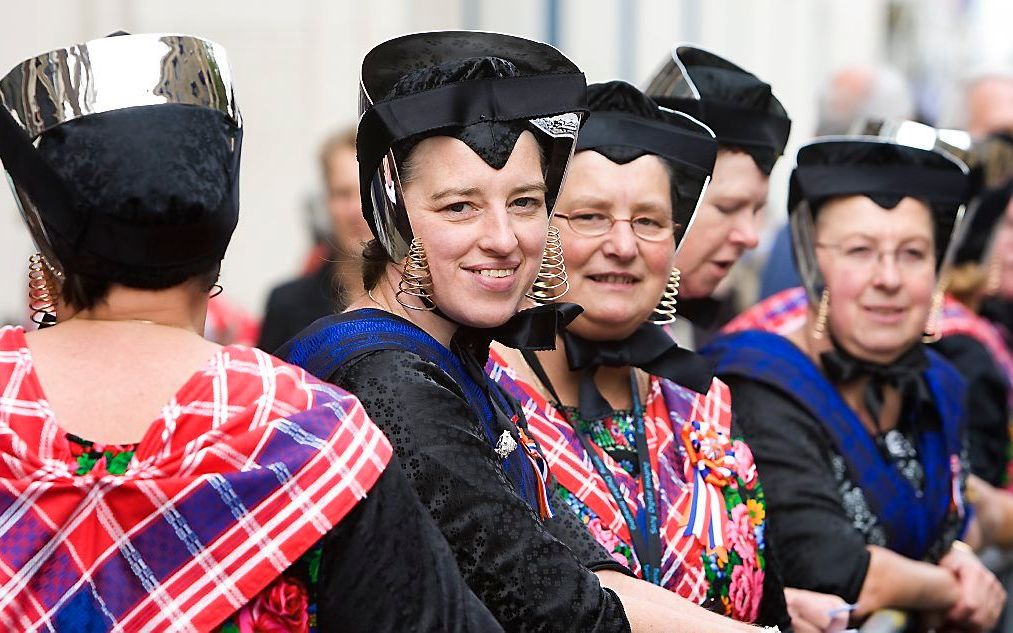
822,314
665,312
552,273
416,281
42,294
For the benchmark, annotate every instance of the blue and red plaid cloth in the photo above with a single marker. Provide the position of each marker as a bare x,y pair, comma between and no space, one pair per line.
785,311
250,464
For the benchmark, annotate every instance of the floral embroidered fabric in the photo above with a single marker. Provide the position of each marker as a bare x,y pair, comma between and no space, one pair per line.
710,502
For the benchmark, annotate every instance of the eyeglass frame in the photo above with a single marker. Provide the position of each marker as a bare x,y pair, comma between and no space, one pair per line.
880,255
612,222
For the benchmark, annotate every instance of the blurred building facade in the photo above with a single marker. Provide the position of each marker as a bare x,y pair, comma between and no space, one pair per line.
296,75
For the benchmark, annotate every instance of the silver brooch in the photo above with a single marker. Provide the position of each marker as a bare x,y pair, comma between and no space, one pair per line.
505,445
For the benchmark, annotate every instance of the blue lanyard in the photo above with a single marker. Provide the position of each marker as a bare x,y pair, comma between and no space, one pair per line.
646,541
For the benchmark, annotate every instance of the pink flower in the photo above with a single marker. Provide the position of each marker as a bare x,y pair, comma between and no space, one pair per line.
745,592
739,533
744,464
603,535
280,608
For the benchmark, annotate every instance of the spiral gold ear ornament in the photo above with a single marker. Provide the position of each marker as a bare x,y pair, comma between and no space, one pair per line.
41,292
551,273
932,330
822,314
416,281
994,277
664,313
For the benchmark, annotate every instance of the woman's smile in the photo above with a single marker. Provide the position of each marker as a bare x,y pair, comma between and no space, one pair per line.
498,277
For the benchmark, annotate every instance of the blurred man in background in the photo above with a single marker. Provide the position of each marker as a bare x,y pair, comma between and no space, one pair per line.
332,275
989,104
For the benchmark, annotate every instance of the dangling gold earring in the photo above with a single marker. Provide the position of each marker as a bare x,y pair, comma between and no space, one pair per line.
822,314
551,273
932,329
416,281
994,277
665,312
41,293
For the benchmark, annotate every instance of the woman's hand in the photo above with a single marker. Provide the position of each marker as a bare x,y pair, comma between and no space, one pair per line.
981,595
813,612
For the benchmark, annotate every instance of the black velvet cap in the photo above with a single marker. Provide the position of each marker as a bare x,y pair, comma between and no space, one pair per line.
483,88
883,171
740,108
126,172
626,124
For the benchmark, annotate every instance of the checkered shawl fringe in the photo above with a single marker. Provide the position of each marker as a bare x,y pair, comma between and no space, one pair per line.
785,312
780,313
249,465
668,407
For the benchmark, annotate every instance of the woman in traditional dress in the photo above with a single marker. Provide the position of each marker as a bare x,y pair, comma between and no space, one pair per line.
751,127
151,479
463,144
637,434
970,342
856,427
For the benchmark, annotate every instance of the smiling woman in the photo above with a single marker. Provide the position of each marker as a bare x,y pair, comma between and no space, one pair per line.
856,426
627,416
461,158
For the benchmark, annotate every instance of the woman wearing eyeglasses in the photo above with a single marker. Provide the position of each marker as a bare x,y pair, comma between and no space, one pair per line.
856,426
636,433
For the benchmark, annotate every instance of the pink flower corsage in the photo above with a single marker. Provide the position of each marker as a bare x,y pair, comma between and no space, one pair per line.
280,608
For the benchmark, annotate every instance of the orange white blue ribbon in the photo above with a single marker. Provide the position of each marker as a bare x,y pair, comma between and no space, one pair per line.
710,457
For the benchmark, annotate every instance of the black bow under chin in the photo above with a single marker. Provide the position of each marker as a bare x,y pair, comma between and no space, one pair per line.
904,374
533,329
650,348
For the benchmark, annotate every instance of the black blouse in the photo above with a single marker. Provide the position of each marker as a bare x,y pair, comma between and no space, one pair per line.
518,566
386,567
819,520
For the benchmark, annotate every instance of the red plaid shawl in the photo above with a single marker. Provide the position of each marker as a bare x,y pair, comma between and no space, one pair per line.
690,538
251,463
785,311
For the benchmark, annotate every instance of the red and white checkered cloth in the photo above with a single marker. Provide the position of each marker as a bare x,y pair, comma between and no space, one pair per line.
249,465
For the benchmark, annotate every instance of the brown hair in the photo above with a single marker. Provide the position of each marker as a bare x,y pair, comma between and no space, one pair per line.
968,284
342,139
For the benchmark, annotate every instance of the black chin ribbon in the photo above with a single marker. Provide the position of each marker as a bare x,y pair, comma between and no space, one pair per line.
904,374
649,348
533,329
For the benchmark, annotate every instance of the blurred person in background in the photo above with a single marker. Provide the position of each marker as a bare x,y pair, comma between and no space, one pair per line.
989,104
752,130
333,275
850,96
857,428
151,479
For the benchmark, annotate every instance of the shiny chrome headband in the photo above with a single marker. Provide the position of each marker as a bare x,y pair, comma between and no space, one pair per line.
956,143
119,72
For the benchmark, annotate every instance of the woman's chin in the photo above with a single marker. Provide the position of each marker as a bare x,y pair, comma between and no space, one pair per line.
483,314
607,327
